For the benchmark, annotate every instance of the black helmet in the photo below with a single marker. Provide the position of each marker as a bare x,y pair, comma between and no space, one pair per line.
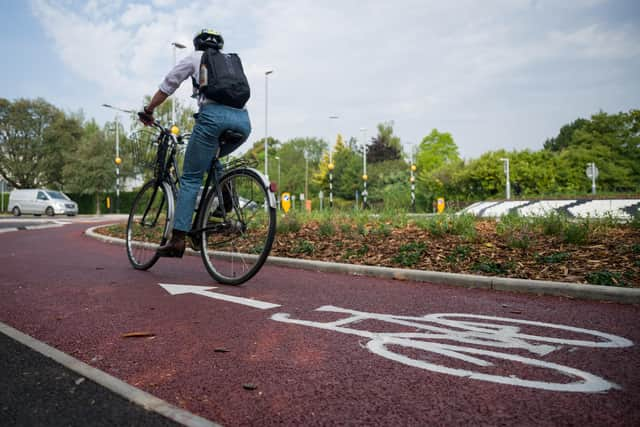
208,39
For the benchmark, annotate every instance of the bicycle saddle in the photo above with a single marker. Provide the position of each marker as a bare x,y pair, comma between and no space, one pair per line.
230,136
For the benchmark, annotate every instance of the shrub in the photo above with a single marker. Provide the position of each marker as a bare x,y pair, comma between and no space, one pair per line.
519,241
605,278
410,254
552,224
553,258
304,247
577,233
326,228
460,253
492,267
288,224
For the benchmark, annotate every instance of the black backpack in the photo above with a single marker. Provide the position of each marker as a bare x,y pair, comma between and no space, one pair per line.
222,79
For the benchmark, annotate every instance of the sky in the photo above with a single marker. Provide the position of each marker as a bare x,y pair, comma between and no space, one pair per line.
496,74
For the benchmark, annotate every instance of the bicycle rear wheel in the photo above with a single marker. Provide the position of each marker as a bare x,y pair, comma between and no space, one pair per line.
236,247
148,225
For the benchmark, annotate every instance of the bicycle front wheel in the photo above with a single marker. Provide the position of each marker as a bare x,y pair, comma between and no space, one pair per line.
148,224
236,247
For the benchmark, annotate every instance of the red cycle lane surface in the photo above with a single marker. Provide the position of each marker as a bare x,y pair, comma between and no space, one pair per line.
81,296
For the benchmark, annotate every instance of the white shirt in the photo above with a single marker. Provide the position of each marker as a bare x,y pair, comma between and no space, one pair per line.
187,67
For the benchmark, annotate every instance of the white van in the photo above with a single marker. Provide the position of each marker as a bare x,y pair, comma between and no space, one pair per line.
41,201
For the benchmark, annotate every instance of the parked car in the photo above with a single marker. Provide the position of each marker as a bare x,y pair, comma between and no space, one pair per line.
41,201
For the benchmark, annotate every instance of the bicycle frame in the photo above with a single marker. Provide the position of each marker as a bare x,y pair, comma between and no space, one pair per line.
166,171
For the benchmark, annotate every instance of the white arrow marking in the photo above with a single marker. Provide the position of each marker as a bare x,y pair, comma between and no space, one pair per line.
204,291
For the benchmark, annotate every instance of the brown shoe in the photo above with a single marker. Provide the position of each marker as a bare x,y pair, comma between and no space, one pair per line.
175,247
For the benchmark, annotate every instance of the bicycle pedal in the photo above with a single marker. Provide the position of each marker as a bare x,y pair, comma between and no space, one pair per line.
195,243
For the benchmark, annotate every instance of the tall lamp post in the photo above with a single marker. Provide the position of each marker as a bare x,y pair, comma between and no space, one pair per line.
117,160
364,167
175,45
506,171
266,127
412,179
278,186
331,166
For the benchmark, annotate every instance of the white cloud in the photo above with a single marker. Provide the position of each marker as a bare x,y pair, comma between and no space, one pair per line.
136,14
466,67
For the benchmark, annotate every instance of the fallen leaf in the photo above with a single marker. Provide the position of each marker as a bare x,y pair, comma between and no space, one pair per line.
138,334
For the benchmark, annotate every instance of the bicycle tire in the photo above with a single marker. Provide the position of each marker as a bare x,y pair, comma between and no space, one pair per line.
235,248
149,223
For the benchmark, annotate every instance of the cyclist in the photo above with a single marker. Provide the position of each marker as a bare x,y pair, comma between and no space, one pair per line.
212,119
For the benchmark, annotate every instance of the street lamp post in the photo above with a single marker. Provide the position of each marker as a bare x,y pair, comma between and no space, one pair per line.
412,179
364,167
175,45
331,166
506,171
266,127
278,186
118,161
306,175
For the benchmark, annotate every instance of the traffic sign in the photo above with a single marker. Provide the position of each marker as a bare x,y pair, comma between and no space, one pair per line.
592,167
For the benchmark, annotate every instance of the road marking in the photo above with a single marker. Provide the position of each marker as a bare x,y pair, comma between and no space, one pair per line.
204,291
456,337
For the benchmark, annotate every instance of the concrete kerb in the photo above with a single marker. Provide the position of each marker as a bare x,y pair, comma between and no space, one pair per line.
538,287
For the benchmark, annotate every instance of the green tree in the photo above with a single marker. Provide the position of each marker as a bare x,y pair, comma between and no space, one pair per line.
564,138
300,159
437,161
385,145
347,174
23,126
61,141
91,170
256,153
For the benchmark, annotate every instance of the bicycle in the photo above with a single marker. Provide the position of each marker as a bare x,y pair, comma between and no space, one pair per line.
234,237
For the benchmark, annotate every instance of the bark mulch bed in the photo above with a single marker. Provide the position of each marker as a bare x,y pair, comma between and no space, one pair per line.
602,255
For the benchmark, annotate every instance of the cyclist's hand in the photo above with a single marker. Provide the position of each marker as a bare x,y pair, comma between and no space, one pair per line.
146,116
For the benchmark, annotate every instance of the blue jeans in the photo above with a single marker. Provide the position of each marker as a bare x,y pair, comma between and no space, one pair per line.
212,120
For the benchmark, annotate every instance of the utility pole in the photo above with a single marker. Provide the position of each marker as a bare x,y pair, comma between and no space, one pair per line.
118,161
364,167
266,127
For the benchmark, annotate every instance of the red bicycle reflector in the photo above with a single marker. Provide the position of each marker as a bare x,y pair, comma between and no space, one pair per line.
273,187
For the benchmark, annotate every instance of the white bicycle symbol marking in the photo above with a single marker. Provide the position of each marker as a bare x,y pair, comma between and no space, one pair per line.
444,327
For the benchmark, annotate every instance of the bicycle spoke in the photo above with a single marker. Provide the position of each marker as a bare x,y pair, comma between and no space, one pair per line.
234,253
147,225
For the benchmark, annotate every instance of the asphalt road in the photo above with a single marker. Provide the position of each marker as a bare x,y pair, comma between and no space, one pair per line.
305,348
